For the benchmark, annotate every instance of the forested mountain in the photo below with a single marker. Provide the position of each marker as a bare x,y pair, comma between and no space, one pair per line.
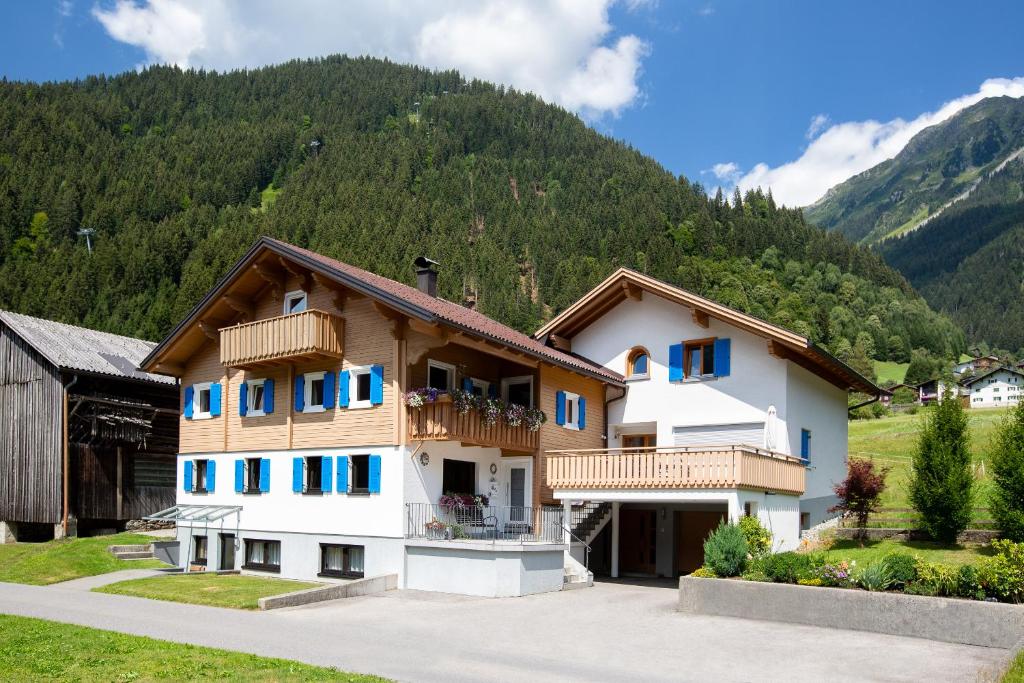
523,204
965,256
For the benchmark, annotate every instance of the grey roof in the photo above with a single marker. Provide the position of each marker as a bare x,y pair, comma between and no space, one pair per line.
78,348
1013,371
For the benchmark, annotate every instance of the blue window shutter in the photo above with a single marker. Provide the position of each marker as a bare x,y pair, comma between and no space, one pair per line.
376,385
374,474
583,413
675,363
559,407
211,475
805,444
243,398
265,475
492,390
328,390
342,474
239,476
215,399
296,475
343,382
189,396
300,393
326,474
467,384
722,360
188,475
268,396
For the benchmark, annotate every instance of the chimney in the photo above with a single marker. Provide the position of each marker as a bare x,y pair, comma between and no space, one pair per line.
426,276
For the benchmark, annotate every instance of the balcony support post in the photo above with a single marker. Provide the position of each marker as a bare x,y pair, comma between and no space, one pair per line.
566,522
615,539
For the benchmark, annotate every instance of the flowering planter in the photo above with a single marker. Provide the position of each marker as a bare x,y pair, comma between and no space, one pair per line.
946,619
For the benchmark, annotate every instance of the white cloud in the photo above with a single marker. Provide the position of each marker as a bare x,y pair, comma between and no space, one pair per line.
563,51
845,149
818,123
728,172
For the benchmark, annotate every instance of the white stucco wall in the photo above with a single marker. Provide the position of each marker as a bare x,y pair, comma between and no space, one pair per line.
814,404
423,483
1001,389
504,570
756,381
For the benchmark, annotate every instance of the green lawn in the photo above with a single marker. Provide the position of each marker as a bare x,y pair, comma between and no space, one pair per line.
200,588
35,649
930,552
1016,672
886,370
69,558
891,442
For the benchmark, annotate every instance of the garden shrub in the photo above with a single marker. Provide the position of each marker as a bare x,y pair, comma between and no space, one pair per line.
836,575
902,568
968,583
789,567
810,582
1007,501
1002,575
875,577
704,573
759,539
755,575
935,579
725,551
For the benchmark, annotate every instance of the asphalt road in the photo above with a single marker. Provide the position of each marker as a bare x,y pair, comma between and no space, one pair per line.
612,632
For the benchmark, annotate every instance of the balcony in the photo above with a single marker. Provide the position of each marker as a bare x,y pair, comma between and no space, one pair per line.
439,421
308,336
727,467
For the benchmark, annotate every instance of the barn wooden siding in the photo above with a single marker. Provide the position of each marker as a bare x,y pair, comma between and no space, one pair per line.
30,433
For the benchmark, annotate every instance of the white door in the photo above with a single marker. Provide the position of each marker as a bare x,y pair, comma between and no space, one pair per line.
517,481
739,434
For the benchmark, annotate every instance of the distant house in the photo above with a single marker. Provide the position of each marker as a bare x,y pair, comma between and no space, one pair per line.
976,364
88,440
997,388
932,391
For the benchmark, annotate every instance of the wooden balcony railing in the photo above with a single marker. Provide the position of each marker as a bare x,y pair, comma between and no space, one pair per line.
439,421
704,467
306,336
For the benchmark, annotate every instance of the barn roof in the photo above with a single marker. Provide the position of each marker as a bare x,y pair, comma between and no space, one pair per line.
79,349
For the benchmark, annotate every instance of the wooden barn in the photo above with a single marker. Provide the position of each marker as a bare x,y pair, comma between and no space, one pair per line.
87,440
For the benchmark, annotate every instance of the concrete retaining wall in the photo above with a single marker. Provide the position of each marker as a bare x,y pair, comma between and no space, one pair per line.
167,551
955,621
349,589
489,570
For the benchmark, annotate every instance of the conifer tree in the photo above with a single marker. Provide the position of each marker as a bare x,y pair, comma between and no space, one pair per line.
1007,500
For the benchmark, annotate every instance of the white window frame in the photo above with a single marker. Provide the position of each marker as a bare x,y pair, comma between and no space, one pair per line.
483,385
574,400
197,389
448,367
353,388
250,397
522,379
307,391
292,296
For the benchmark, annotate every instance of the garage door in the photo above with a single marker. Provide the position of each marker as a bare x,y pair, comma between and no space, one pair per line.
742,433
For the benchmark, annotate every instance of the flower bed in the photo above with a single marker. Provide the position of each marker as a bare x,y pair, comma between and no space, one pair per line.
491,410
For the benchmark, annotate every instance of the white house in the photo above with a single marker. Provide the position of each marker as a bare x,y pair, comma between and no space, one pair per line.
997,388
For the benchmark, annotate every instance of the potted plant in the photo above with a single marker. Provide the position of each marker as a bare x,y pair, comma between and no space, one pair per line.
436,529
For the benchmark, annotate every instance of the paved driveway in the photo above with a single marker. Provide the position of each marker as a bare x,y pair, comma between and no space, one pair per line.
612,632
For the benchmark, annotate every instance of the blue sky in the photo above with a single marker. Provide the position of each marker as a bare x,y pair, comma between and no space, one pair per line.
721,91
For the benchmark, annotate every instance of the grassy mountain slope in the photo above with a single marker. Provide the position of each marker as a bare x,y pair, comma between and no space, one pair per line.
524,205
938,165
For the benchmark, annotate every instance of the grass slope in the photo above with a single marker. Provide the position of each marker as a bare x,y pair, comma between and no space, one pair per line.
926,550
1016,672
224,590
891,442
70,558
35,649
887,371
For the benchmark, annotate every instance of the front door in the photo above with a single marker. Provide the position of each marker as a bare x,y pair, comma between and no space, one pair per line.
227,551
517,482
692,529
637,541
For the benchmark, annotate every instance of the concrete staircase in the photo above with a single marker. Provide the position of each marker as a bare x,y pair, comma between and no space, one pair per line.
589,519
576,575
132,552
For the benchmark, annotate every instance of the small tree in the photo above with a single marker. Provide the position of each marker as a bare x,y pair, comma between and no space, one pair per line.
1008,475
860,493
725,551
941,483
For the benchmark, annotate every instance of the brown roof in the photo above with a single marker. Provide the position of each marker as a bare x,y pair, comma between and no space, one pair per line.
406,299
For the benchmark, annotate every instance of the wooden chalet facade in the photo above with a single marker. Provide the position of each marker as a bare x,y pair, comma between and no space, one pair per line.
87,440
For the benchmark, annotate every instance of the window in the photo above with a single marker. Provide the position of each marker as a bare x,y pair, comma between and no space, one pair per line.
699,358
638,441
750,509
254,395
360,474
294,302
201,401
479,387
313,385
314,474
360,388
805,444
345,561
199,550
805,521
572,411
518,390
995,389
200,481
458,476
440,376
253,468
262,555
637,364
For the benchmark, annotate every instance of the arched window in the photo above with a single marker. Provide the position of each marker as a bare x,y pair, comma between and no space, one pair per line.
638,363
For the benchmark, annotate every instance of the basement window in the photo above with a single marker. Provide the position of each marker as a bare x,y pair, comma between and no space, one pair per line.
262,555
199,556
341,561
